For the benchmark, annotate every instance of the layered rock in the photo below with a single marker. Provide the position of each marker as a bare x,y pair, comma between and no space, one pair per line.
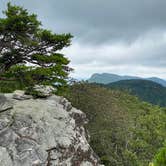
42,132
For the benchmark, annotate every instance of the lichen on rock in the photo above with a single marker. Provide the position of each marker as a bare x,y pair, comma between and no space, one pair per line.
43,132
41,91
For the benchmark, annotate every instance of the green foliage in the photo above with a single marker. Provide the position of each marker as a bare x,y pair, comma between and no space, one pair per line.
148,91
10,86
30,54
124,131
160,158
105,160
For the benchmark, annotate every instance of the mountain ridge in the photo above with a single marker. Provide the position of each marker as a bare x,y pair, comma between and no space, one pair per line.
145,90
106,78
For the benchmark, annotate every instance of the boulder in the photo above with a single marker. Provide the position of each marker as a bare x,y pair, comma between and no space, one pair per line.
20,95
41,91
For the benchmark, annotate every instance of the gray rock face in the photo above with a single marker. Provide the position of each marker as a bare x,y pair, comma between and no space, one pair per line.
4,103
43,91
20,95
43,132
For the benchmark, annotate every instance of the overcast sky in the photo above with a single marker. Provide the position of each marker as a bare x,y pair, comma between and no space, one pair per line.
126,37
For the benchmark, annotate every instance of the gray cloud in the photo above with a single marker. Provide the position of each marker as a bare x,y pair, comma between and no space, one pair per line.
104,20
98,21
149,52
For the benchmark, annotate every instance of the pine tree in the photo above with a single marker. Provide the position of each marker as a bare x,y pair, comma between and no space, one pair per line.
29,53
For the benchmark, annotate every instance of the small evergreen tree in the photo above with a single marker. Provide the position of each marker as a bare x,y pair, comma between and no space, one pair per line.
29,53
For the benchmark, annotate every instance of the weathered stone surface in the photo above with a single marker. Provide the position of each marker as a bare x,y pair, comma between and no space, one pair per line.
5,159
43,91
4,103
20,95
44,132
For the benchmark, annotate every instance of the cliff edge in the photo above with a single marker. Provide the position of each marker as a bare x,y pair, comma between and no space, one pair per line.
42,132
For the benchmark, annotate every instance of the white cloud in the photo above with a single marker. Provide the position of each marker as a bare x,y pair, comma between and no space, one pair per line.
144,57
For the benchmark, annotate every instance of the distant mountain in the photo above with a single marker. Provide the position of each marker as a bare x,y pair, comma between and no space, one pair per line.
145,90
158,80
106,78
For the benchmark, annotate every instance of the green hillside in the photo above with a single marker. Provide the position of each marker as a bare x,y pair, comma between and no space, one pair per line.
146,90
124,131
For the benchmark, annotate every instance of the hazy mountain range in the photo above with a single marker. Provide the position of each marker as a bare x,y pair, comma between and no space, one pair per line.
106,78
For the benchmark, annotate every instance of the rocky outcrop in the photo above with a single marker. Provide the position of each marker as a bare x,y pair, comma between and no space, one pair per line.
42,132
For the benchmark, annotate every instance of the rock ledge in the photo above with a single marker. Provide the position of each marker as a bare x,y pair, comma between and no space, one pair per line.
42,132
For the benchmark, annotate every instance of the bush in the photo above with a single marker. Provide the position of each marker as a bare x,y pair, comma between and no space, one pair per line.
160,158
